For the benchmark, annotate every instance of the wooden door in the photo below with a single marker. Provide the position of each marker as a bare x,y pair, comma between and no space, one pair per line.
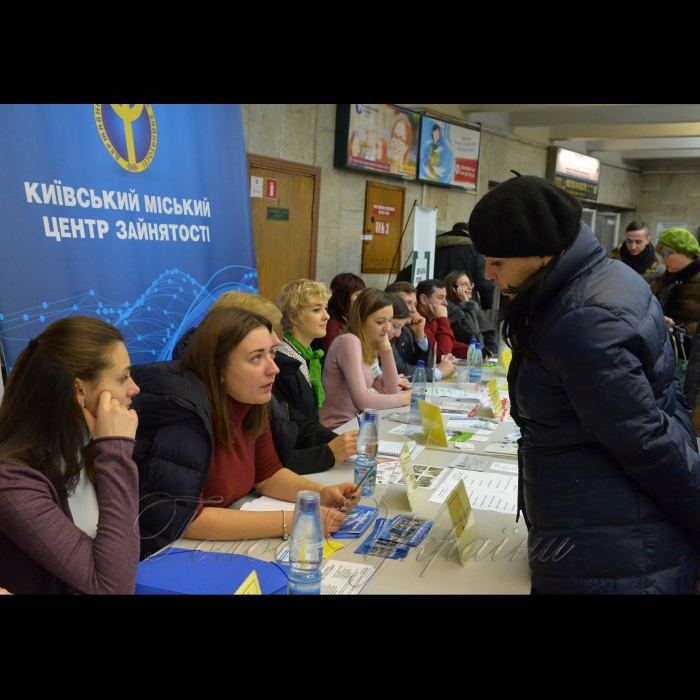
285,222
383,224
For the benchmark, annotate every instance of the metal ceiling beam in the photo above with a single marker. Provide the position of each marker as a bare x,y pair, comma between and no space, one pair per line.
643,144
607,115
582,132
665,154
523,108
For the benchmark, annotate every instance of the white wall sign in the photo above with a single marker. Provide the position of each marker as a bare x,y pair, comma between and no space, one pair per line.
256,187
424,231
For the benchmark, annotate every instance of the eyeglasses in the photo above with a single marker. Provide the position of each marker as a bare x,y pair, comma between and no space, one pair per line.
399,140
666,254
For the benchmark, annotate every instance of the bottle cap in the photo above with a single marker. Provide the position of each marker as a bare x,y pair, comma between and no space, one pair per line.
420,363
308,501
370,415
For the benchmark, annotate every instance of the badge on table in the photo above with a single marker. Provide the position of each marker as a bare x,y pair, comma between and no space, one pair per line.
460,510
432,423
409,476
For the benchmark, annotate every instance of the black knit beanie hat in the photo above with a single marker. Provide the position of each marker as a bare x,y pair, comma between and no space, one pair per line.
524,216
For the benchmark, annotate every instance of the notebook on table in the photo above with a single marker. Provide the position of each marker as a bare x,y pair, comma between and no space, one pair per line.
391,448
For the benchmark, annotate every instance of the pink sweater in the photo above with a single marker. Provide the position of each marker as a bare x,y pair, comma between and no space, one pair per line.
347,378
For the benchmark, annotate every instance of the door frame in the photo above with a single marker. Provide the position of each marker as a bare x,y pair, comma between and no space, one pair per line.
289,166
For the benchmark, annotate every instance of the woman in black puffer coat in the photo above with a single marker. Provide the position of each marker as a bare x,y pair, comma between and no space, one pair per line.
609,468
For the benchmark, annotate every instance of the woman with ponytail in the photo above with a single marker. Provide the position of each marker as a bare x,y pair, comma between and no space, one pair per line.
69,489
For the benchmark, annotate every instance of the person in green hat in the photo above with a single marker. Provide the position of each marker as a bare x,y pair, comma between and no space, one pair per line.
678,290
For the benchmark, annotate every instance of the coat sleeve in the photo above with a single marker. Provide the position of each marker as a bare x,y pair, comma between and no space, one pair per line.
30,516
311,460
439,331
311,432
599,359
464,324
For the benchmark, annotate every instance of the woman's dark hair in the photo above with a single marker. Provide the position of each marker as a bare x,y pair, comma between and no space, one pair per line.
41,421
400,309
450,282
343,286
399,305
207,355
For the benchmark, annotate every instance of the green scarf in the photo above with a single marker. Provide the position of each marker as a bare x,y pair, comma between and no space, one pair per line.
313,357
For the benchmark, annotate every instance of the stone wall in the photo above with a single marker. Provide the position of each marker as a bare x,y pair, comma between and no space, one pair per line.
306,134
670,198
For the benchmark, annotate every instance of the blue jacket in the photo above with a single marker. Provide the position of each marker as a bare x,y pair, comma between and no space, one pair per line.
610,473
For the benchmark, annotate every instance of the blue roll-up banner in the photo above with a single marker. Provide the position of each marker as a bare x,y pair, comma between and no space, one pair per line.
135,214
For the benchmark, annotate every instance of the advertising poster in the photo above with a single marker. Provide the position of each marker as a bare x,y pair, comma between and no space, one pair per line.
135,214
449,154
383,139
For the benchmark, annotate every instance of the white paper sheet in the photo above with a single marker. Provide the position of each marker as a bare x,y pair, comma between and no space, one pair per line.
267,503
344,577
486,491
503,448
470,462
511,467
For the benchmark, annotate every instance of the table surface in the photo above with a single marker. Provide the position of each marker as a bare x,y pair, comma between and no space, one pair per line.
498,562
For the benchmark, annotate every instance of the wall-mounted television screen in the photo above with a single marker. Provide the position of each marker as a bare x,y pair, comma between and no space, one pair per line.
449,153
574,172
377,138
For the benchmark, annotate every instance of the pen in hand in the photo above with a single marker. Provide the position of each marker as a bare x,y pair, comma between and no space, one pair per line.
354,496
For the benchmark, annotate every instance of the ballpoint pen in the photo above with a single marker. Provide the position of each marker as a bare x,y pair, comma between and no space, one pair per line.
357,487
359,419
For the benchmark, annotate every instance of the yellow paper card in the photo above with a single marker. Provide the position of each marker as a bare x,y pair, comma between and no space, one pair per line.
495,400
433,426
507,356
331,547
409,476
251,586
460,510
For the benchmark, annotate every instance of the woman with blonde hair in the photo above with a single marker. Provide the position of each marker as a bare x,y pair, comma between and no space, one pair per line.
304,319
360,371
68,485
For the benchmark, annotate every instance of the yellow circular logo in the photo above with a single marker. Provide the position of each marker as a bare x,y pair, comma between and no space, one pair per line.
129,134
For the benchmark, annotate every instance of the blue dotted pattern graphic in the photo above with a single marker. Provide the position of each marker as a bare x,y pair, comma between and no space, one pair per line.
151,324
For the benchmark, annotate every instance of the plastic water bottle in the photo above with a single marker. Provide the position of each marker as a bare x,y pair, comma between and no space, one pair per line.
366,460
470,353
476,366
419,387
306,546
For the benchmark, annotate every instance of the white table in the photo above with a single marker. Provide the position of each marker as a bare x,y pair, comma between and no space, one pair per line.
498,562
